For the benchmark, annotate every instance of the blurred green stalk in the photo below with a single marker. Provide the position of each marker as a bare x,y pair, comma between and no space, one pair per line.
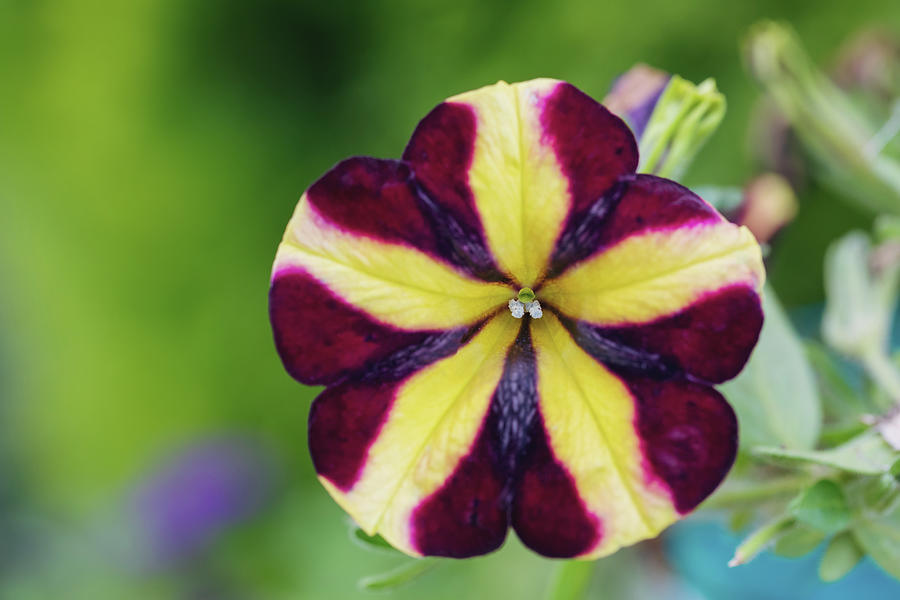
827,123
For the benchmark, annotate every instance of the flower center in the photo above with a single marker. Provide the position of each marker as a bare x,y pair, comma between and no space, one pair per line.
525,301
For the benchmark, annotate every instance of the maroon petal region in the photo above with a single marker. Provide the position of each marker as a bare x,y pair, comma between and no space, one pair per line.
343,422
375,198
709,340
468,515
547,513
593,146
440,152
639,204
321,338
688,435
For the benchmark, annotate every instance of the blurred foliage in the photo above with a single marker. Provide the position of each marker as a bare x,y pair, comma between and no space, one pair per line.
151,153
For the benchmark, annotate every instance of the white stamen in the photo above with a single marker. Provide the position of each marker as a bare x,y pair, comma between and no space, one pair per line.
516,308
534,309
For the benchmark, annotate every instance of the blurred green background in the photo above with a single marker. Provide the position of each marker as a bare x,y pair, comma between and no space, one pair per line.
151,153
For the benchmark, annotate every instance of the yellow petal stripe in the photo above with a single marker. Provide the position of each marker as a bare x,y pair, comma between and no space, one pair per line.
588,413
520,192
396,284
432,424
655,274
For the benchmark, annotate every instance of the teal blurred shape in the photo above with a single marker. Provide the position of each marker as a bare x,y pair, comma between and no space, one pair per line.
699,551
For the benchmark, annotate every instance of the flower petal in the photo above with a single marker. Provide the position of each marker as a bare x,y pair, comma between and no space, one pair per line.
513,162
636,451
360,274
710,339
659,250
410,459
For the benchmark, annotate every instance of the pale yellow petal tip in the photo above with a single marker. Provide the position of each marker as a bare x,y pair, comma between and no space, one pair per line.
758,264
539,83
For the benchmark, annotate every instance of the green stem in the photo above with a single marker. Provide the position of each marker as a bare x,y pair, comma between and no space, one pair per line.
880,368
732,498
759,540
571,580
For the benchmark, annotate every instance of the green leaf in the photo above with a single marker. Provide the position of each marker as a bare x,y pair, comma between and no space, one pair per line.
851,322
775,396
371,542
839,398
571,580
740,519
887,228
842,554
867,454
798,541
876,528
822,506
397,577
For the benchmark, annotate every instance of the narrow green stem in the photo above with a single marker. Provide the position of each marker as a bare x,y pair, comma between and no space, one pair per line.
880,368
732,498
759,540
570,580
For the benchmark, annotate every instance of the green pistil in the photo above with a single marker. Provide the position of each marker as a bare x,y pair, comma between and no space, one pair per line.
526,295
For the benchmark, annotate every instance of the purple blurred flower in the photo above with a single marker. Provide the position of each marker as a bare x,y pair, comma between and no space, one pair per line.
199,494
634,95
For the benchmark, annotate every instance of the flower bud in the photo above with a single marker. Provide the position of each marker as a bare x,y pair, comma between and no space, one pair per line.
768,205
670,117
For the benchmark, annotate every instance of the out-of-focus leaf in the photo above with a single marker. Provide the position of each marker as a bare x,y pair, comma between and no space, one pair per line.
798,541
571,580
867,454
852,322
841,433
822,506
887,228
740,519
397,577
895,470
879,536
839,399
371,542
842,554
775,396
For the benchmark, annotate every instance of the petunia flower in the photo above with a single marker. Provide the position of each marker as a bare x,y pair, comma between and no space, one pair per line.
450,415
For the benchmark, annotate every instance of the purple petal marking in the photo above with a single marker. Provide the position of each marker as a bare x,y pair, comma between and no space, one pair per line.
593,146
513,414
384,200
640,204
688,435
710,340
468,515
375,198
440,153
322,339
547,513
